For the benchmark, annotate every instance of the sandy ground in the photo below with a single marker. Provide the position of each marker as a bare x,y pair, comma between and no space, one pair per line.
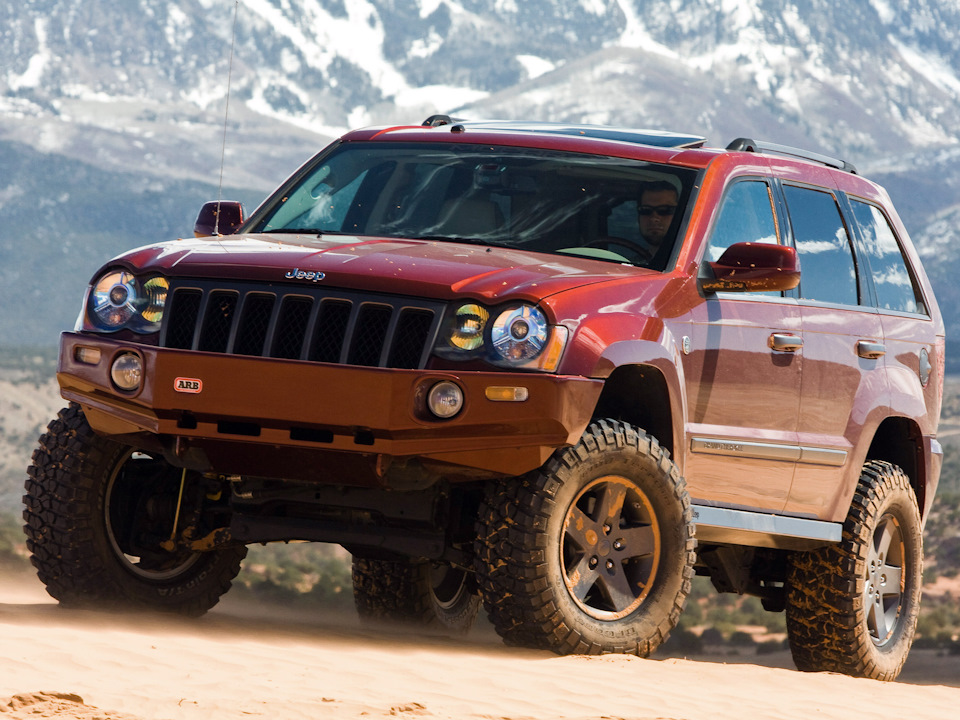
243,661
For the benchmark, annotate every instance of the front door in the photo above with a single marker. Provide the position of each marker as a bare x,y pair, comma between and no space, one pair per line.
742,368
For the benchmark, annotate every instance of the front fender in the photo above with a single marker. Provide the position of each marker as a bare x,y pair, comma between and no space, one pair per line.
662,356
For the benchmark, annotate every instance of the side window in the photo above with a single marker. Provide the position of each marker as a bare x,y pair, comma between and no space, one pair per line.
828,271
896,289
622,221
746,215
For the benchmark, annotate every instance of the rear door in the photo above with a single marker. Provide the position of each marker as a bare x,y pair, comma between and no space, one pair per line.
909,331
844,382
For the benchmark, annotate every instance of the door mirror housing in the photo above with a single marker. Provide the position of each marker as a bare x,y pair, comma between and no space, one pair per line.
754,267
219,217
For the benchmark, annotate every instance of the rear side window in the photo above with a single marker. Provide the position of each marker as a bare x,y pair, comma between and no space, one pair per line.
828,271
895,287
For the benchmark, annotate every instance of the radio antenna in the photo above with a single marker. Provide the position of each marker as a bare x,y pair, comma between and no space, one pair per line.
226,117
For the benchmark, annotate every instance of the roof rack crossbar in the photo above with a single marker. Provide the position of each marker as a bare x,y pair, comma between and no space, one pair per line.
748,145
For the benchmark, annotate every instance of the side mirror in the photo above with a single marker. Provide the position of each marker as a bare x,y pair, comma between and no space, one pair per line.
221,217
754,267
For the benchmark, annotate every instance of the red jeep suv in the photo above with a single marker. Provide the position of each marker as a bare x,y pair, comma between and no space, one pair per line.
553,369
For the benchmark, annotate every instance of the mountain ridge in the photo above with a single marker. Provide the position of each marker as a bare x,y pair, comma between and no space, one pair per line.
115,109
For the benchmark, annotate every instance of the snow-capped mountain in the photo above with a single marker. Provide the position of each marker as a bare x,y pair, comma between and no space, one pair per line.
107,105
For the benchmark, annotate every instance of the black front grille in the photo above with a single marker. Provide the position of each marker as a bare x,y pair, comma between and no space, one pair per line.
301,324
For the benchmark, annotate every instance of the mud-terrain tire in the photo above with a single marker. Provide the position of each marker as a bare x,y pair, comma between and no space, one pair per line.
592,553
852,607
417,592
79,491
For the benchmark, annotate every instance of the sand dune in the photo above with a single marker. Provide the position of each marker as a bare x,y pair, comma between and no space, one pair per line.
241,662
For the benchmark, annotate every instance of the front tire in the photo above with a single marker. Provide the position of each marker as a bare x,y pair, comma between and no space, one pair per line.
594,552
417,592
852,608
96,513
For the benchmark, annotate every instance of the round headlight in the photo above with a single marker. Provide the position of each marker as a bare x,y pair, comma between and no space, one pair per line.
127,371
119,299
519,334
154,298
445,399
468,326
113,300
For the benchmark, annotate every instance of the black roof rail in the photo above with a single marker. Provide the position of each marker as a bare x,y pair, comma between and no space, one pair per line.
748,145
656,138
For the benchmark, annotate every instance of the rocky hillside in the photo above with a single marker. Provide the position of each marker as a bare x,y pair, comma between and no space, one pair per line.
112,114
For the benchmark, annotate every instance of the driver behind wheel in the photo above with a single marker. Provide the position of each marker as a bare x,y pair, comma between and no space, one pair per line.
655,210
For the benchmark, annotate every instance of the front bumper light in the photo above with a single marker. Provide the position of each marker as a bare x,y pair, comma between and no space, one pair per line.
119,299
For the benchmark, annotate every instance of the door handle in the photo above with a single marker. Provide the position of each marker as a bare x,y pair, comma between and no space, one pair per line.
784,342
870,350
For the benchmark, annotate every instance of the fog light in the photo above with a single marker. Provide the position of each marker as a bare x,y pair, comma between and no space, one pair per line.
445,399
126,371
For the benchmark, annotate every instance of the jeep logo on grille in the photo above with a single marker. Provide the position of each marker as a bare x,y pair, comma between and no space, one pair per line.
298,274
188,385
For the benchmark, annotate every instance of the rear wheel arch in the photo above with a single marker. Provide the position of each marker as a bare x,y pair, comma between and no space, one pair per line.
898,441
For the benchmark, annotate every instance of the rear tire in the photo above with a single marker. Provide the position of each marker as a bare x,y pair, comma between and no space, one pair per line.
415,592
852,607
95,514
594,552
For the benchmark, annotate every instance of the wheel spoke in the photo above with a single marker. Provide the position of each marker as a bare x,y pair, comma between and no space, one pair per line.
877,619
580,528
884,538
638,541
883,589
582,578
893,578
611,504
615,586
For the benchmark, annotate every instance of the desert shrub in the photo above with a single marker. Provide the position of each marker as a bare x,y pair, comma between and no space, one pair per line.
683,642
712,636
768,647
314,573
739,638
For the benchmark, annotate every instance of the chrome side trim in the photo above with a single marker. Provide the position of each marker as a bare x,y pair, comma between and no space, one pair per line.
823,456
735,448
740,527
769,451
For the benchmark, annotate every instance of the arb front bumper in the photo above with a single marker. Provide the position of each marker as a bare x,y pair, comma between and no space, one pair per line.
315,421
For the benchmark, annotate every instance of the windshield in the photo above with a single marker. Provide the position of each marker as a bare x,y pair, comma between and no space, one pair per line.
612,209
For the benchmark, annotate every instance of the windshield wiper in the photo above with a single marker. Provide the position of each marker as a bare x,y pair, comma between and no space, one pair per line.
319,232
465,240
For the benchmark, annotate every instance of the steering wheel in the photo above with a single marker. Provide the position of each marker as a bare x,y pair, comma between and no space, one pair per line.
643,254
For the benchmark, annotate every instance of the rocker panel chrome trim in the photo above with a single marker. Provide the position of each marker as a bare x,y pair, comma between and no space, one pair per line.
739,527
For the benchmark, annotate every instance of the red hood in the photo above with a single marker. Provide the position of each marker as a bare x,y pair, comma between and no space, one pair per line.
421,268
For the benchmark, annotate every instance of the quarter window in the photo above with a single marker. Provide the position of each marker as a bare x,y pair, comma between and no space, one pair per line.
895,287
828,272
746,216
